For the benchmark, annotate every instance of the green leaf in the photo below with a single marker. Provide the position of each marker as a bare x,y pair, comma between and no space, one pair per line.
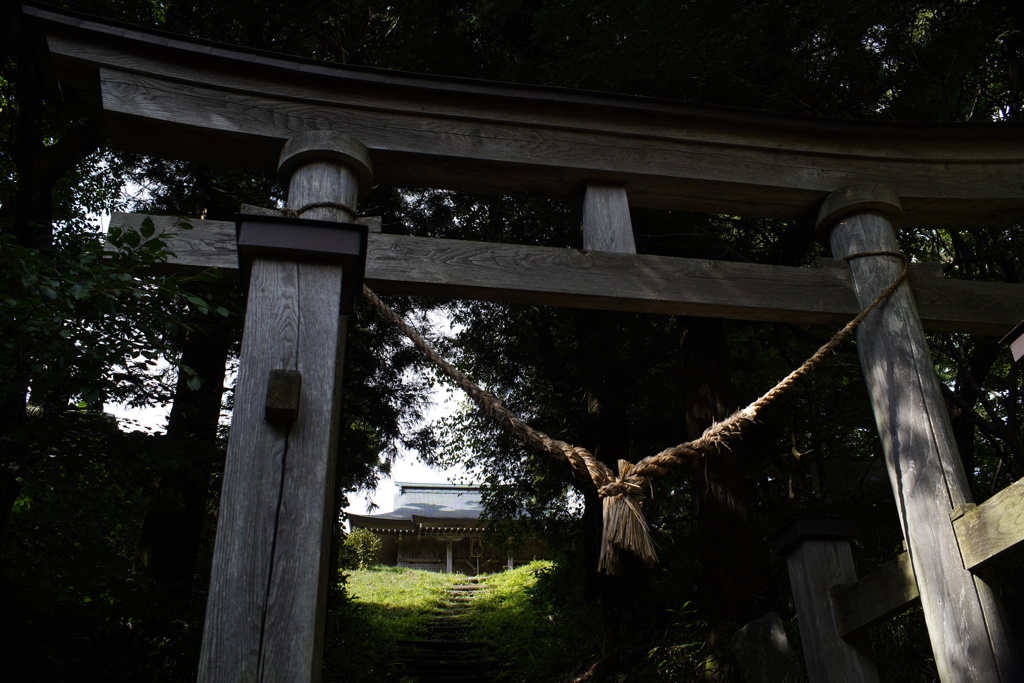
132,239
194,383
147,229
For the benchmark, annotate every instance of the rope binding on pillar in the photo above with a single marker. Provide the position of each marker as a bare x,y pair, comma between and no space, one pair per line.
297,213
626,538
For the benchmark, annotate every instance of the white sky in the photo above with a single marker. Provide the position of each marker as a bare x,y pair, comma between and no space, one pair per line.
408,468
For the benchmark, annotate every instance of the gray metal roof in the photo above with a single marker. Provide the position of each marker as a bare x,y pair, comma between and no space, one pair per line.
427,506
442,501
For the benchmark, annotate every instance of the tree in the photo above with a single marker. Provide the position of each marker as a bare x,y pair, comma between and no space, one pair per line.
620,384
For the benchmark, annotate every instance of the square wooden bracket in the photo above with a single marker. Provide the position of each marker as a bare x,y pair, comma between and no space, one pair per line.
284,389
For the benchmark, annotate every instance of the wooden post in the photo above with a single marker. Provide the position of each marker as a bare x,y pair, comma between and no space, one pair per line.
818,557
969,638
606,222
265,612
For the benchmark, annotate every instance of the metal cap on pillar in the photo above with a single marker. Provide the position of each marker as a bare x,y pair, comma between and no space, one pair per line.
804,528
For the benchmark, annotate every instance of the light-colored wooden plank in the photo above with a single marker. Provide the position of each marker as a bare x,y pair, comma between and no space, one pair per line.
878,596
247,522
400,264
969,639
606,222
992,527
296,599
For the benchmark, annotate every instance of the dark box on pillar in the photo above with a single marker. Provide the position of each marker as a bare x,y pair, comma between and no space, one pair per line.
805,528
304,240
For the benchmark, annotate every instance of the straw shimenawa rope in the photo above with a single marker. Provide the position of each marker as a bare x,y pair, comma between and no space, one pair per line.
626,537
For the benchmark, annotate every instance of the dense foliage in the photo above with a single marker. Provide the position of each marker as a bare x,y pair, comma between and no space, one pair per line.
105,532
360,549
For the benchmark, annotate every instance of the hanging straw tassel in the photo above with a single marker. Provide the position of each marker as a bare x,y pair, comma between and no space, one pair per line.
626,539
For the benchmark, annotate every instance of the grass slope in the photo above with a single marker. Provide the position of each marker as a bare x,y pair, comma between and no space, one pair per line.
525,627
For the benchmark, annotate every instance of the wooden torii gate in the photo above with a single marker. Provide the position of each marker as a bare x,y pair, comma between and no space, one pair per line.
332,128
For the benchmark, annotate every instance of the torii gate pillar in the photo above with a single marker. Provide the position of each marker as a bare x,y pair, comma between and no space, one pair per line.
969,638
266,605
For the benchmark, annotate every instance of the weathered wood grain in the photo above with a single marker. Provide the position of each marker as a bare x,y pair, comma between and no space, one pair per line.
149,115
968,637
249,504
988,529
875,598
606,222
267,601
400,264
292,648
188,99
815,566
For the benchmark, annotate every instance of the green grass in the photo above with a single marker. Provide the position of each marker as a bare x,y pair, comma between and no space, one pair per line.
398,601
386,605
528,626
528,629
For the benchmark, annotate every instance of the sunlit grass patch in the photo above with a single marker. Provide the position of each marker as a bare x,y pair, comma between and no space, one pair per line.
535,636
398,601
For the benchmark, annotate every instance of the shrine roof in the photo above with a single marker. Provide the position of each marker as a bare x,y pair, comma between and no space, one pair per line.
426,507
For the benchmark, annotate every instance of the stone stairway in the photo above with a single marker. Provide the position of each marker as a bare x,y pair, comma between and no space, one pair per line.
446,652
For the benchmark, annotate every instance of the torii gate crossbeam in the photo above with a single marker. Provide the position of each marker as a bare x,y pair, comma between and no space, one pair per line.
189,99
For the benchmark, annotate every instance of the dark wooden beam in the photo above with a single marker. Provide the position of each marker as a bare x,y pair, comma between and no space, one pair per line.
183,98
982,531
876,597
400,264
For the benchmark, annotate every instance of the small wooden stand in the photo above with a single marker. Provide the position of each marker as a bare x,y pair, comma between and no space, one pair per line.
818,557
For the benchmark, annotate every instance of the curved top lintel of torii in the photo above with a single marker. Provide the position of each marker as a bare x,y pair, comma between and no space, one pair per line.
184,98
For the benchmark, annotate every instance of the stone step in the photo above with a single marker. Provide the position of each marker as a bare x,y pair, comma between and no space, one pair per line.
444,653
441,644
454,678
442,663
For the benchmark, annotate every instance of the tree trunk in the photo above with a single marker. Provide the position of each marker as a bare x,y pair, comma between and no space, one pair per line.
172,529
28,216
9,487
969,380
731,562
607,437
